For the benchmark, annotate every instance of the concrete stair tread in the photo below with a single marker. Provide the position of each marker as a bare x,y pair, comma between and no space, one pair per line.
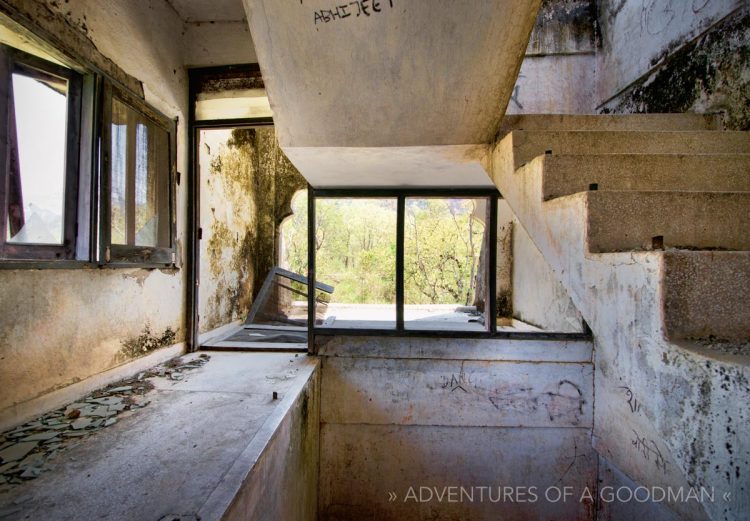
705,297
527,145
630,220
684,121
568,174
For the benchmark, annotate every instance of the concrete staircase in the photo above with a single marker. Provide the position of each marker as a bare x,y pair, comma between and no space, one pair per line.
646,221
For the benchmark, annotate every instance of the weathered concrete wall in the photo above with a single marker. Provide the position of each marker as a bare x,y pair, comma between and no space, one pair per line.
640,35
274,192
400,414
666,414
247,185
539,298
558,74
61,326
504,262
708,74
611,480
283,483
229,222
624,56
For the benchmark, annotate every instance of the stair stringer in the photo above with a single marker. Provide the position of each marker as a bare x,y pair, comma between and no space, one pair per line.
663,415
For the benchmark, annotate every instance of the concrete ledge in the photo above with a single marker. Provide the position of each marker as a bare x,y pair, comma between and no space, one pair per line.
565,351
243,425
282,456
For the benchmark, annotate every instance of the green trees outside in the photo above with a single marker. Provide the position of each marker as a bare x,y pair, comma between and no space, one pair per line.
356,248
442,244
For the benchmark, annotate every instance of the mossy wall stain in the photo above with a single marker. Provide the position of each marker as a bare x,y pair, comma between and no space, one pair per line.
563,26
145,343
245,194
710,74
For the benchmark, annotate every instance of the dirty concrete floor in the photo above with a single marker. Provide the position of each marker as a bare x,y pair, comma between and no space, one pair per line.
166,458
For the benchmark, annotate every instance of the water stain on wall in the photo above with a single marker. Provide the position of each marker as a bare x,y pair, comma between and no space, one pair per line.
247,193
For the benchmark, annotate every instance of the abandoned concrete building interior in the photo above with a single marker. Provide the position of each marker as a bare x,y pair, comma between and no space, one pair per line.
298,260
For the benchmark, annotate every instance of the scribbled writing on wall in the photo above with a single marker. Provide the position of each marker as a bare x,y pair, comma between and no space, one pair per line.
633,402
355,9
649,450
462,381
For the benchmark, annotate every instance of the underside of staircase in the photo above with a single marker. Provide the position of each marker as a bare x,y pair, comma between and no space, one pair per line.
645,219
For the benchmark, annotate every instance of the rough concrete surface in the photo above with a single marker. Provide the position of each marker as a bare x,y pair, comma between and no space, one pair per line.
529,144
566,175
171,456
640,122
629,220
324,98
701,301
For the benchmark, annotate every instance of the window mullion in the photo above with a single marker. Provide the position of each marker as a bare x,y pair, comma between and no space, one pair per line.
400,217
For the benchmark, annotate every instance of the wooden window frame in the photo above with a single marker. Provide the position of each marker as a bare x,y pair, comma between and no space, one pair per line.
128,255
12,60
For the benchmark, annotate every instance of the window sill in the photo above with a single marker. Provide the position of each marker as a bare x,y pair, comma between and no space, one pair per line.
6,264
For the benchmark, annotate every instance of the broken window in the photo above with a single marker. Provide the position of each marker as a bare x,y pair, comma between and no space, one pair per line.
138,200
40,108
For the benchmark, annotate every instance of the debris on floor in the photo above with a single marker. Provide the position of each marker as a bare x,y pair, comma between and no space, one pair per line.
25,450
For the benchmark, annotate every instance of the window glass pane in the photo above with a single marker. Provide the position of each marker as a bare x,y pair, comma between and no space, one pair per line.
444,286
118,158
140,179
355,252
37,143
233,104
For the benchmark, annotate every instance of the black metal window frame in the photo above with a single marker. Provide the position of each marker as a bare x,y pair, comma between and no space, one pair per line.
120,255
400,195
11,254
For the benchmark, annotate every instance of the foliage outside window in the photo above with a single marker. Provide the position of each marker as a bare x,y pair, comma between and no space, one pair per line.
138,209
356,240
443,244
40,106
